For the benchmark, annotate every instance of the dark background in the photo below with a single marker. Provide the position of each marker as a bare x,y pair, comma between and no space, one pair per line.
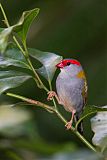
72,29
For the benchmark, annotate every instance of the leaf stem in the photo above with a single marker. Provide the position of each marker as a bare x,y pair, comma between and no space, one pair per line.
37,79
4,15
31,101
85,141
77,133
50,86
25,53
19,46
50,108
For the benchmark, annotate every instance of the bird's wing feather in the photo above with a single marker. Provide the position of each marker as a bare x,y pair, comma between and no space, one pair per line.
84,92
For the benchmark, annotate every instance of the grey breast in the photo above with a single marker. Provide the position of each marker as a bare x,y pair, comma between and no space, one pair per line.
69,91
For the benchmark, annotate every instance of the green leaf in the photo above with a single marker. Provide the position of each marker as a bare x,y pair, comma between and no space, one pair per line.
11,79
4,36
12,119
81,154
21,28
99,127
13,57
1,29
89,110
49,61
25,22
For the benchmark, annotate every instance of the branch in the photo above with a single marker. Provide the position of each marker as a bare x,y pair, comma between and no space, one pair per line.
31,101
4,15
53,110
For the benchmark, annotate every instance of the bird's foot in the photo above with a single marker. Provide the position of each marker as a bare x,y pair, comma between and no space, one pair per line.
68,125
51,94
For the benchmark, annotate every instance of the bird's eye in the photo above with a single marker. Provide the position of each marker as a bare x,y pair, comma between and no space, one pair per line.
68,63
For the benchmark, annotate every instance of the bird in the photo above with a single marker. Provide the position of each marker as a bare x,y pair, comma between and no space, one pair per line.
71,87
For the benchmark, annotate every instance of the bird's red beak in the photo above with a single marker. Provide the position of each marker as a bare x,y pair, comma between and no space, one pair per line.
60,65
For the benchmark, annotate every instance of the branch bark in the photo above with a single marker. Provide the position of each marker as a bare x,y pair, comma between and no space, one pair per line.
53,110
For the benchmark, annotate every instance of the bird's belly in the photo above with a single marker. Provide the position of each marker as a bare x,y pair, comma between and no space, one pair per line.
70,95
65,101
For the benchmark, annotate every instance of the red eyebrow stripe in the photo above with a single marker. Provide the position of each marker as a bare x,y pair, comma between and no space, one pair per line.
75,62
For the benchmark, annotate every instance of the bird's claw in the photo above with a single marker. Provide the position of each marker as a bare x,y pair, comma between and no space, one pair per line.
68,125
51,94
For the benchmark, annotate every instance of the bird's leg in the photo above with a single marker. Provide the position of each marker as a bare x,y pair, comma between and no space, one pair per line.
52,94
69,124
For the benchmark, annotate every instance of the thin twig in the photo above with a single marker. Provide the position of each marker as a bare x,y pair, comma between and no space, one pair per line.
37,79
50,108
4,15
31,101
25,53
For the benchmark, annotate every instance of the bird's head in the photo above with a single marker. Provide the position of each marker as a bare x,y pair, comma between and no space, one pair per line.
69,66
68,62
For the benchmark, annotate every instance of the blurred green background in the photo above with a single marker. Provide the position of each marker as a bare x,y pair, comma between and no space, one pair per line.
71,28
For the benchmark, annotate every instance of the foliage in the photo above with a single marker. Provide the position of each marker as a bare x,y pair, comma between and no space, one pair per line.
99,127
17,55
